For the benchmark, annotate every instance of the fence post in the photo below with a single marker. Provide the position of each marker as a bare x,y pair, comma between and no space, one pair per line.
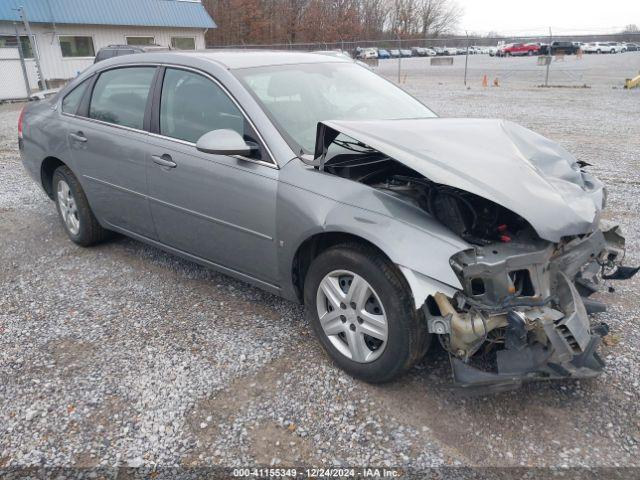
466,60
399,60
546,80
22,63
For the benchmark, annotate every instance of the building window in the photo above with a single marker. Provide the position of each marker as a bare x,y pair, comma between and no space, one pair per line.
183,43
77,46
140,40
10,41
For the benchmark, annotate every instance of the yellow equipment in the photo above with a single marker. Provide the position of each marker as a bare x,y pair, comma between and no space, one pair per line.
632,82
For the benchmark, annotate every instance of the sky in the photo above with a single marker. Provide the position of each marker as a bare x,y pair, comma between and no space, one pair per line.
519,17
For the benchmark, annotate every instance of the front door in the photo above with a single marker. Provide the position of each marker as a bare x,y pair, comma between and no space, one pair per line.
215,207
108,143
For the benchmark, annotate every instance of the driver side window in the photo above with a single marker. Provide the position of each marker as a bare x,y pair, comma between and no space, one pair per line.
192,105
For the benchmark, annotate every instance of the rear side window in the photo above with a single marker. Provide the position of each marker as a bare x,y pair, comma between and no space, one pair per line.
71,102
192,105
120,96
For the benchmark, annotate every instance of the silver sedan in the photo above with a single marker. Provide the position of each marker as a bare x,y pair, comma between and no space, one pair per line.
317,180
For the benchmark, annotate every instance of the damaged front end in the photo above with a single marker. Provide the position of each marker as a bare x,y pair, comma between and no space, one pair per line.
523,312
530,215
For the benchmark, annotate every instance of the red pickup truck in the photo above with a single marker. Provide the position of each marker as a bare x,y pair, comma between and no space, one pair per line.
515,49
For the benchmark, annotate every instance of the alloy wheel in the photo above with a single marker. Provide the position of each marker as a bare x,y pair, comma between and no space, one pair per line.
68,207
352,316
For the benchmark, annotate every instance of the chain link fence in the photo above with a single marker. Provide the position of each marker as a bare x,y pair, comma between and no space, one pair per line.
14,83
474,59
19,77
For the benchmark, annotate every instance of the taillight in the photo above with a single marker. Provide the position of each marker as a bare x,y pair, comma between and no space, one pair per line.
20,120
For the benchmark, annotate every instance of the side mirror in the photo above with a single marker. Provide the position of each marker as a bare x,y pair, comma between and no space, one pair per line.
224,142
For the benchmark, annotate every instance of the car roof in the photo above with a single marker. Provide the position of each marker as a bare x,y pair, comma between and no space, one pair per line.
235,59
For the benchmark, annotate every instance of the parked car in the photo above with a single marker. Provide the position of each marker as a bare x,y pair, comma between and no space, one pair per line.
418,51
450,51
567,48
633,47
118,50
600,47
438,50
229,159
395,53
382,53
367,53
431,52
519,49
492,51
405,53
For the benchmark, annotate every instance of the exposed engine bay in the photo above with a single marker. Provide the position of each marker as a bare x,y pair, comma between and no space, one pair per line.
523,312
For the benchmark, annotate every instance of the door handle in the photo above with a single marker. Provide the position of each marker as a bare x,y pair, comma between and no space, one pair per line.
78,137
164,161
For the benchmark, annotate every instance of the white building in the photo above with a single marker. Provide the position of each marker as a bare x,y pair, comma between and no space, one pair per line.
68,33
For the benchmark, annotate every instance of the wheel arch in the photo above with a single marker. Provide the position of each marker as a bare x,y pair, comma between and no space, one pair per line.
314,245
48,166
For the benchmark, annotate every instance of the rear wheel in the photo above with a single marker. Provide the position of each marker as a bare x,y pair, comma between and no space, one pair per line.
362,312
78,220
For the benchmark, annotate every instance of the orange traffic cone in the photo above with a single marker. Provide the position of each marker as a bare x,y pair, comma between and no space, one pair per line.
485,81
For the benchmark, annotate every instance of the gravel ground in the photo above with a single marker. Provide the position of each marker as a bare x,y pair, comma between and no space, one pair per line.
122,355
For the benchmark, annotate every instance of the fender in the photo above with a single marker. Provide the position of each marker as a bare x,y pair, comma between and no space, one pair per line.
418,244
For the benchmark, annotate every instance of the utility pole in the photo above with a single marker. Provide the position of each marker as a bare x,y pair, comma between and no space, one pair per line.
42,83
466,60
546,80
22,63
399,58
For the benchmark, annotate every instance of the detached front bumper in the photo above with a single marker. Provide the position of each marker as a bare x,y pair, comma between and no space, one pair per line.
522,316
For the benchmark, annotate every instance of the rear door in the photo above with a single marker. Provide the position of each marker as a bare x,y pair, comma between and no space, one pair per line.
107,138
215,207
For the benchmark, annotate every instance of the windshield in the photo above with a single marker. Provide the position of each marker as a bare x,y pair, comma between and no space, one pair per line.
297,97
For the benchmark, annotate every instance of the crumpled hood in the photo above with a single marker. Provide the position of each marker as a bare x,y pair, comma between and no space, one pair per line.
495,159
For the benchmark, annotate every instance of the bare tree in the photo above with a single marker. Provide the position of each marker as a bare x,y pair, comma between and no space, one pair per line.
439,16
373,17
404,18
283,21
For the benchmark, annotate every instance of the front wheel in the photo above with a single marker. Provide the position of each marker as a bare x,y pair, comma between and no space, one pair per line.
362,312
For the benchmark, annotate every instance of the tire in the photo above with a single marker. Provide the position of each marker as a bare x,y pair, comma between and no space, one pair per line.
406,337
76,216
598,51
530,53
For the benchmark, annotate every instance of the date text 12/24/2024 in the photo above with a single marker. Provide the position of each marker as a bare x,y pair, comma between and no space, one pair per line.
316,472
